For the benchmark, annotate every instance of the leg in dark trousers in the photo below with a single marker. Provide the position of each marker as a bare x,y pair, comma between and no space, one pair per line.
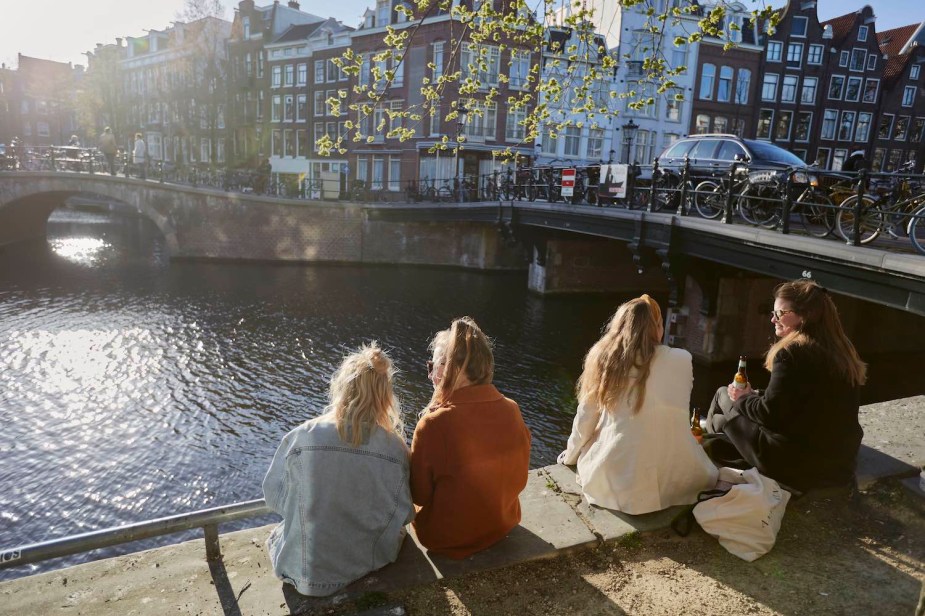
719,409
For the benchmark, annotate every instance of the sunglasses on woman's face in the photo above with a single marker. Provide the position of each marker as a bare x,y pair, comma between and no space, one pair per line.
778,314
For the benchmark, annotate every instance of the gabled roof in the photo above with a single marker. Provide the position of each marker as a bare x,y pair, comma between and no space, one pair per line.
299,32
841,26
895,65
892,41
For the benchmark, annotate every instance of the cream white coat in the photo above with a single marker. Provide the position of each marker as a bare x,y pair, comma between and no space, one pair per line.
645,461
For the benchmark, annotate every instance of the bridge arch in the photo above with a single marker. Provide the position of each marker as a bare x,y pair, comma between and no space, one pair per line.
27,199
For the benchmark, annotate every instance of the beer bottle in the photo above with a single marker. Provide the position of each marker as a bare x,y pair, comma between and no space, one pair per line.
741,378
696,430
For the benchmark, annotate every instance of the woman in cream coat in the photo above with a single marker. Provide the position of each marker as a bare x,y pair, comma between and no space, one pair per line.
631,438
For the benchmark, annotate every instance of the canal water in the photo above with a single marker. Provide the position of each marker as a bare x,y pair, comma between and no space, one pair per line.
134,388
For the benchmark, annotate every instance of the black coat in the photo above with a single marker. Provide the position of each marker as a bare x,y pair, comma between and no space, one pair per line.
803,430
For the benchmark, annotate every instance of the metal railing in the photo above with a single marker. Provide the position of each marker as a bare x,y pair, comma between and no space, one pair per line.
207,519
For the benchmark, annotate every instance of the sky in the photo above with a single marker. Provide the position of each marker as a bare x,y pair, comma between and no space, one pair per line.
64,30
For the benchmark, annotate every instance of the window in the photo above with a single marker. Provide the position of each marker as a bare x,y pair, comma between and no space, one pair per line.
288,108
276,110
276,145
743,82
362,168
301,108
914,72
829,118
774,51
260,64
302,78
822,157
514,129
886,126
803,126
482,121
679,56
782,129
319,103
853,90
794,55
260,105
383,8
319,71
765,121
394,173
437,55
277,76
674,106
572,140
724,93
871,87
288,142
838,158
788,90
319,131
436,119
707,76
702,124
363,77
249,65
720,124
862,130
246,23
858,59
815,54
301,143
289,75
798,26
378,171
862,34
332,71
836,87
846,126
872,62
595,143
520,68
481,62
893,161
549,143
769,87
843,59
917,129
808,95
908,96
901,130
41,129
645,143
738,127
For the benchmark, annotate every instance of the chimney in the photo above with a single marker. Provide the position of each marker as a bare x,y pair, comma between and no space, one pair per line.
293,5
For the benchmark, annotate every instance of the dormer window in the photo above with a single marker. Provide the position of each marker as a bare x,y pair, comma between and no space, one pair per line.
798,26
383,8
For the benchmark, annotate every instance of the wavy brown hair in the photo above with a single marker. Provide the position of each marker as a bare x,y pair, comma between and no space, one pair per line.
618,364
821,329
467,352
361,395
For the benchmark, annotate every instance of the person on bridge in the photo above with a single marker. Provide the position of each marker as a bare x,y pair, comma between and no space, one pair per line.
341,483
107,144
630,438
803,430
470,454
140,157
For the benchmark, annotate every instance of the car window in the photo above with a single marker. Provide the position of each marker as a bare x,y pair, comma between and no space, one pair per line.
729,150
704,149
772,153
678,150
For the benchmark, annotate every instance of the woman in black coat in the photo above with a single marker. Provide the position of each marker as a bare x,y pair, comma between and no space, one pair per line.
803,430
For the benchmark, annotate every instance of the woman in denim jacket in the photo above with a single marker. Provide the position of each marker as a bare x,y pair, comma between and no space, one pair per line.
340,481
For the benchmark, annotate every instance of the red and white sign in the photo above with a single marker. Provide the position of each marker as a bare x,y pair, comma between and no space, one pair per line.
568,182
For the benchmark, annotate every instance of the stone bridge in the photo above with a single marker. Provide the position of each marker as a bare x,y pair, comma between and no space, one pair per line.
707,268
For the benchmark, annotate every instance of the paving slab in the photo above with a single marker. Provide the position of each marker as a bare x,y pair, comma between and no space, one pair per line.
548,527
894,440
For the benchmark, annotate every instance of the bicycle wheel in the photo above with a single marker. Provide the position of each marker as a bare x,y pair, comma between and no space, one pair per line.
871,219
917,230
445,194
709,199
757,205
664,194
507,192
817,213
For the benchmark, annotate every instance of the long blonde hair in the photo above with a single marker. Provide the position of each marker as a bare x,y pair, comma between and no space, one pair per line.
361,395
623,354
821,328
467,352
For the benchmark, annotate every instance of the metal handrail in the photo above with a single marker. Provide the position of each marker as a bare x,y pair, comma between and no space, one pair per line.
207,519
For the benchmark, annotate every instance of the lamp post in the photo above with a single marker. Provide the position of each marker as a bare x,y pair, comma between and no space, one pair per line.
629,134
610,160
461,115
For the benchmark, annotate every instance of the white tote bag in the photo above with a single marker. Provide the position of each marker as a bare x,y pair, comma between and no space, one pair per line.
745,519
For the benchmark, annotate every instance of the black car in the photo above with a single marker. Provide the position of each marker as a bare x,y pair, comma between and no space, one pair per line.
712,155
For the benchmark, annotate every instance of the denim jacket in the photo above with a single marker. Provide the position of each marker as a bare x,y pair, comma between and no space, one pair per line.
344,508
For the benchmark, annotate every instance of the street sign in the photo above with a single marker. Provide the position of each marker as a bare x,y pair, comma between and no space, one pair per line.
568,182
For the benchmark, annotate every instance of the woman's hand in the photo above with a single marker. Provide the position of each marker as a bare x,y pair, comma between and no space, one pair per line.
735,393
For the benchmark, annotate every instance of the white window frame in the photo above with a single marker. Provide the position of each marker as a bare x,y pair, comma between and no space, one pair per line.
809,128
707,75
799,19
868,119
873,99
775,50
914,71
794,55
908,96
841,92
814,55
862,34
770,123
860,86
808,91
790,84
726,75
829,127
857,52
769,87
